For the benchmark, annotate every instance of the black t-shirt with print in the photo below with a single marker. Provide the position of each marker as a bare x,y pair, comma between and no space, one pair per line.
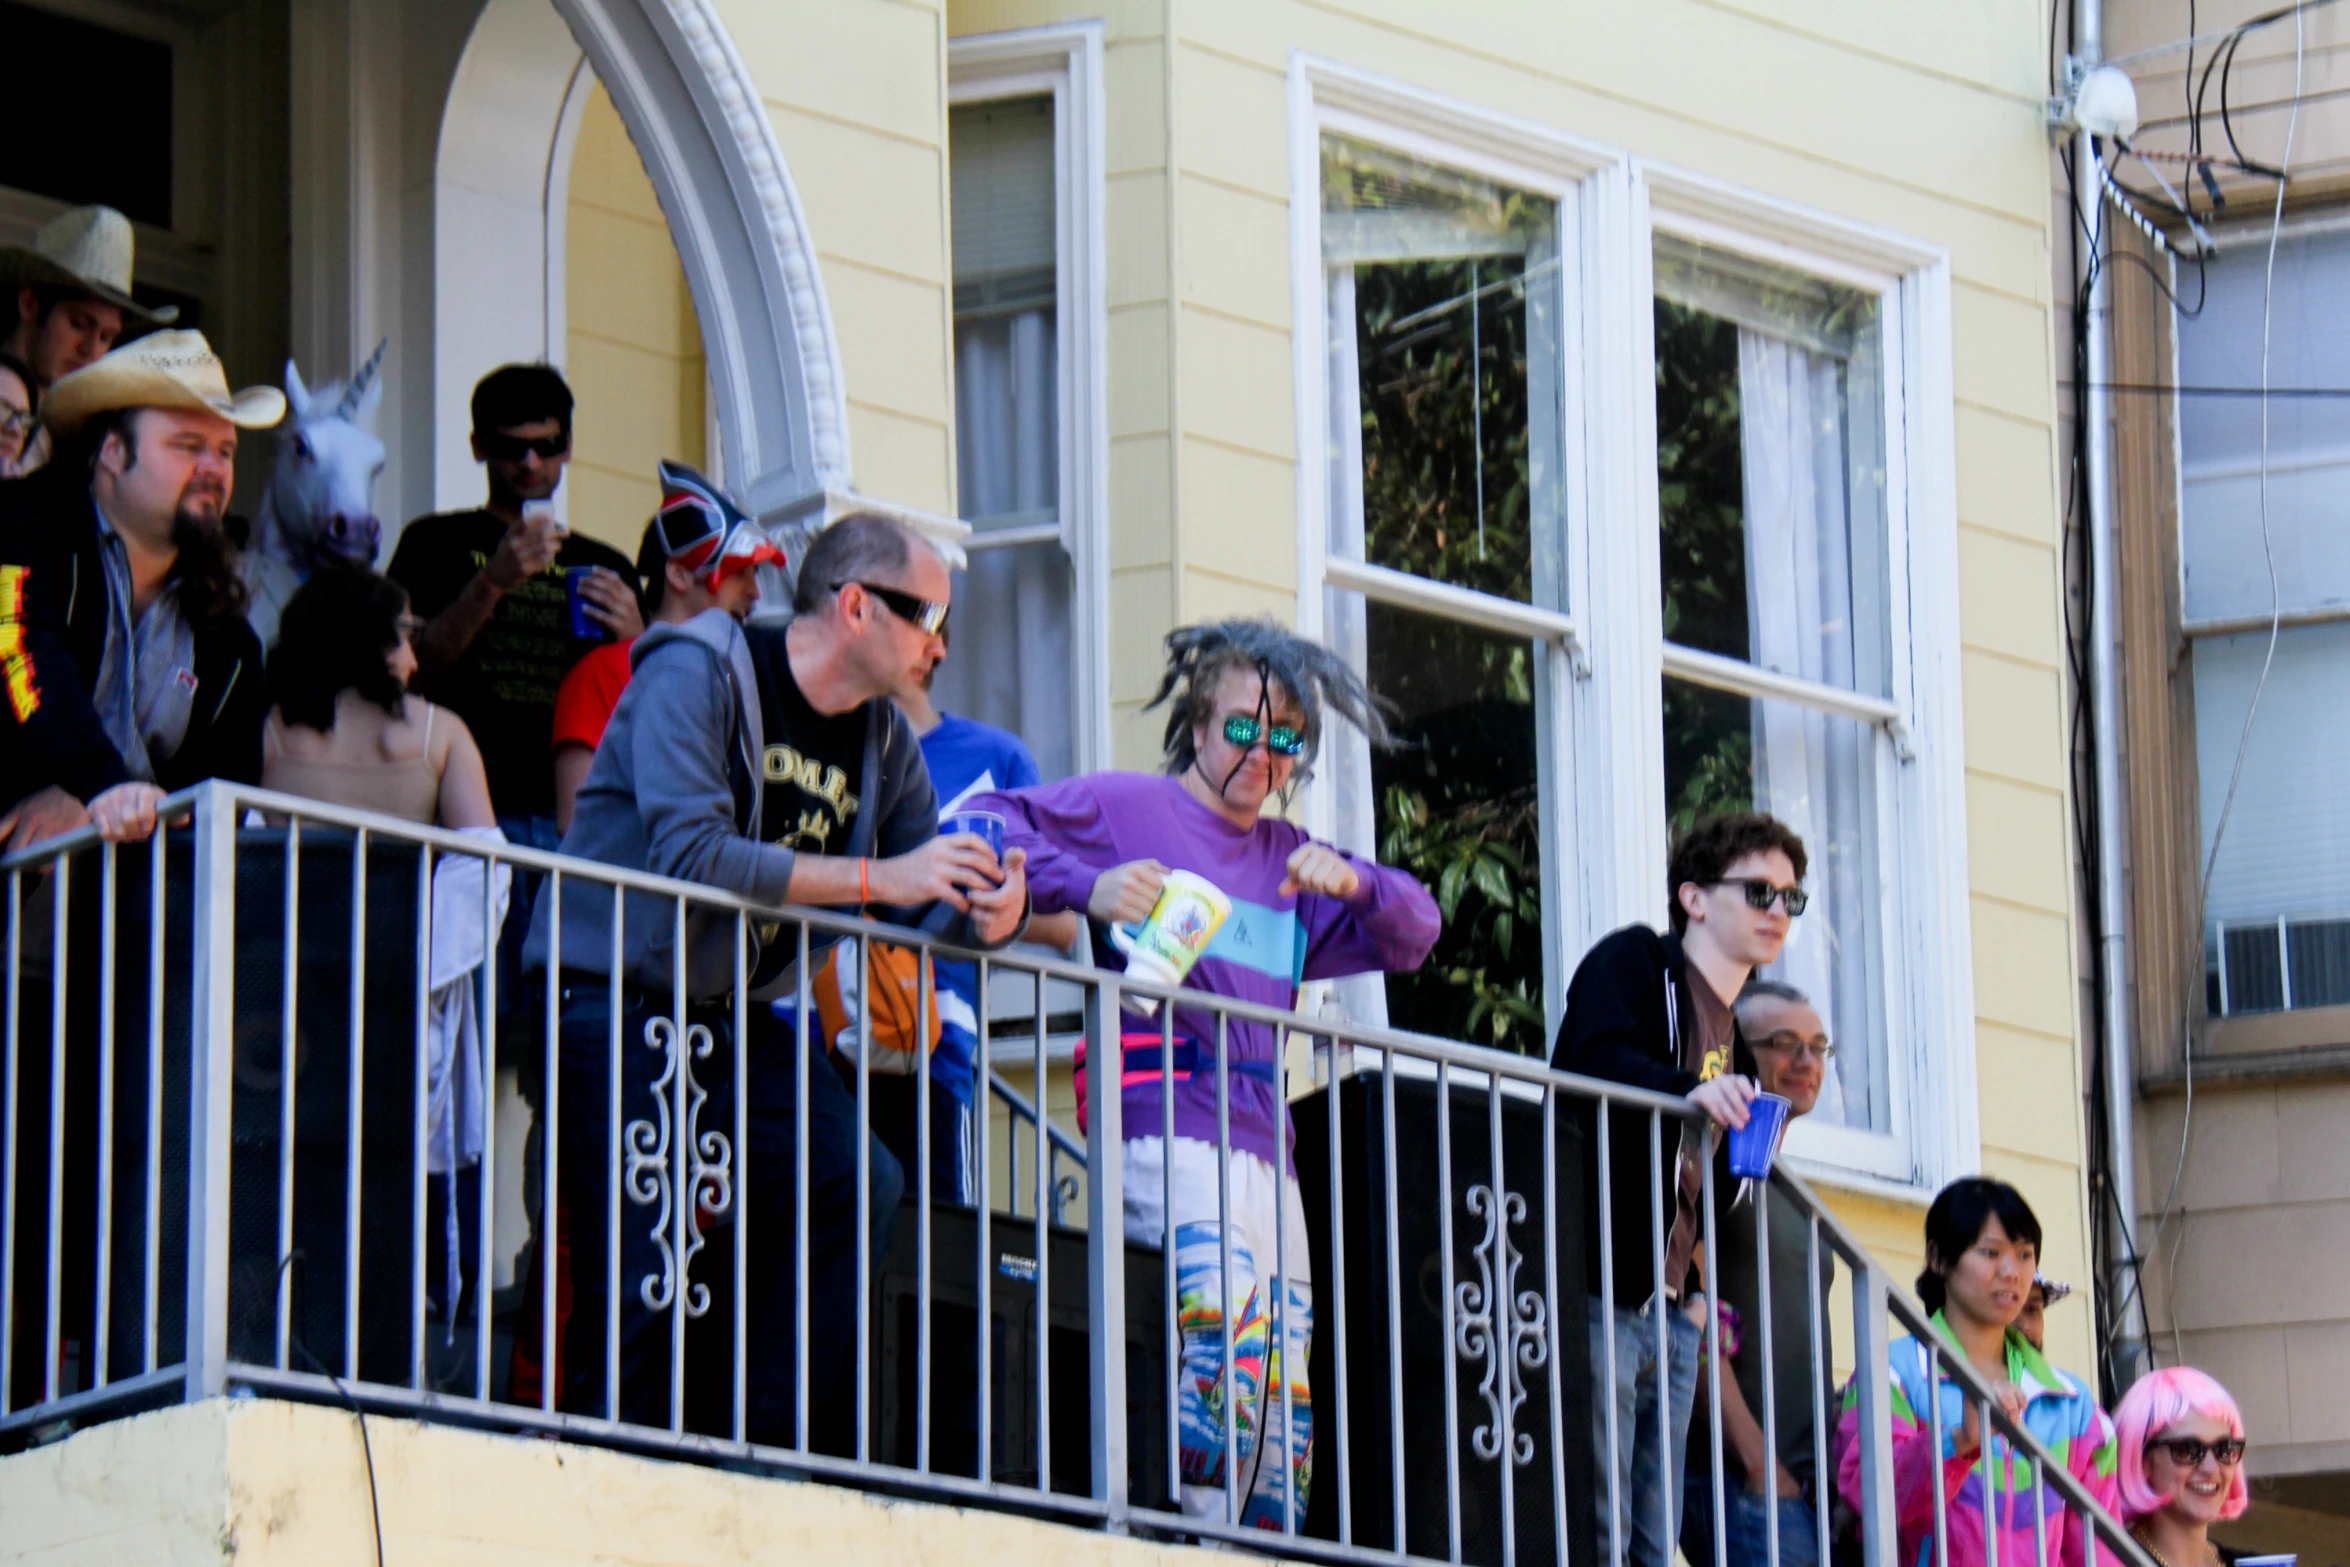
813,768
504,683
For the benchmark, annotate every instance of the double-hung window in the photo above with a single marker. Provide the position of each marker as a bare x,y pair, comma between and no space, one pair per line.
1631,496
1029,633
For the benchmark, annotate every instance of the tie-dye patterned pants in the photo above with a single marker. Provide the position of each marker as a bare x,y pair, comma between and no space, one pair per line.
1268,1299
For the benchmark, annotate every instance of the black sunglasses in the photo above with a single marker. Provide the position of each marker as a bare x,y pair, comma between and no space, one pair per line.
1760,895
2187,1452
498,446
1242,730
924,615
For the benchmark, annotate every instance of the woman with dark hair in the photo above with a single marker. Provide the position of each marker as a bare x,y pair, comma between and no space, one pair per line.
20,413
1982,1250
342,727
1247,703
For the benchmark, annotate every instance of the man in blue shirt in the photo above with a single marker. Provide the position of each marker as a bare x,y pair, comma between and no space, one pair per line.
966,759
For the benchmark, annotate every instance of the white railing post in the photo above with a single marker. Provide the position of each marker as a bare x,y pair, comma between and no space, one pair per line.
212,1027
1105,1241
1872,1380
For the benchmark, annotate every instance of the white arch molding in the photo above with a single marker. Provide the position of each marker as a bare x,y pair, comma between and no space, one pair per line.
502,184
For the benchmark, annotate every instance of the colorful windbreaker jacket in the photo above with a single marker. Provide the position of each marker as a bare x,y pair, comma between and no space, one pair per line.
2061,1414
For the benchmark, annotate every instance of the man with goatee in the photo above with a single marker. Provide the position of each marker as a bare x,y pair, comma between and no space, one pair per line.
126,666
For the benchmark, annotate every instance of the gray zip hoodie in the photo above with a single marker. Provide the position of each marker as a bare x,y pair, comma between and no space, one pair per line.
674,790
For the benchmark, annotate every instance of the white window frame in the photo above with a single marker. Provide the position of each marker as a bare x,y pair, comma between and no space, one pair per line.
1065,63
1604,832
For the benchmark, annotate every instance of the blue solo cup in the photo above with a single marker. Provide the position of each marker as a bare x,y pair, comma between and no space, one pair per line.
582,627
980,824
1754,1145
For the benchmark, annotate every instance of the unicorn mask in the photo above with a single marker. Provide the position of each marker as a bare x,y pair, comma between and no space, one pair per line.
705,532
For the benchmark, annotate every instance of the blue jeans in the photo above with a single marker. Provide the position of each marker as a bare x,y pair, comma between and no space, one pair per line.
1652,1426
1747,1539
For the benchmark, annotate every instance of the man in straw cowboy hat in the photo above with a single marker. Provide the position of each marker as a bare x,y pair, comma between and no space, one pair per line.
71,289
127,666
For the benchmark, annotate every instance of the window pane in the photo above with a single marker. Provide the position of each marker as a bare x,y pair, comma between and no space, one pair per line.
1817,773
1458,806
1770,466
1010,663
1444,381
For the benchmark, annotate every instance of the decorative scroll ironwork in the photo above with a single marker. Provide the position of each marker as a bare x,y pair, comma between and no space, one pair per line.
707,1175
1519,1342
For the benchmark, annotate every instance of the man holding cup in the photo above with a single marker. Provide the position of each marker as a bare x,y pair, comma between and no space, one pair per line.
1232,900
1653,1010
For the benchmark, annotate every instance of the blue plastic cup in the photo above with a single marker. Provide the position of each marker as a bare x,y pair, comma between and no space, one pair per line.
1754,1145
980,824
581,626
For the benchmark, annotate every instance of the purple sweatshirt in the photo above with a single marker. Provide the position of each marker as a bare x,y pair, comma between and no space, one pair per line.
1075,830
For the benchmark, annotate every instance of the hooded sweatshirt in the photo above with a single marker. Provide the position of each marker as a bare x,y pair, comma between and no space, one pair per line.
2060,1413
675,790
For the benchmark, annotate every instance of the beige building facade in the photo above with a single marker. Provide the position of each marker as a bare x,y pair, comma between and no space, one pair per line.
1125,290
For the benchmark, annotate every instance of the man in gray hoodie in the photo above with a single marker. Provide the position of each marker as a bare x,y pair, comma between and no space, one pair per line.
768,763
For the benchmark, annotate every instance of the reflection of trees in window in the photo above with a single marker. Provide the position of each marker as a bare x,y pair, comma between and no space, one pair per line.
1700,483
1442,353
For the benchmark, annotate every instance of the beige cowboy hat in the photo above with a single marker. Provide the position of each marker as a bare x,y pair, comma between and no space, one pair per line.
160,370
89,248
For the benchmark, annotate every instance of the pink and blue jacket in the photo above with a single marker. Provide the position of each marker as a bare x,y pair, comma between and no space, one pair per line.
2060,1413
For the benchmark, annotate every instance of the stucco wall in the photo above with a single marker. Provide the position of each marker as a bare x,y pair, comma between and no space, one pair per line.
258,1482
1203,493
633,349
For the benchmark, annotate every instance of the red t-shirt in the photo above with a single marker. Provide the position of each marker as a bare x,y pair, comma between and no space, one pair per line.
583,706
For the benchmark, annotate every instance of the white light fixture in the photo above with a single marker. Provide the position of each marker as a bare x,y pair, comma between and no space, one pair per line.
2104,102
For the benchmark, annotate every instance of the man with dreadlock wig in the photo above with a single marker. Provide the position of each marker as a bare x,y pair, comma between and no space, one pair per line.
1246,704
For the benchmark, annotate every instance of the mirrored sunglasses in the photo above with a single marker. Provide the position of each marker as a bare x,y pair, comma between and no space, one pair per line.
924,615
1244,731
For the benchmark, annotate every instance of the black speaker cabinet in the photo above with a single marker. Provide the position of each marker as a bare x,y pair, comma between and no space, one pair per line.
1505,1352
1012,1363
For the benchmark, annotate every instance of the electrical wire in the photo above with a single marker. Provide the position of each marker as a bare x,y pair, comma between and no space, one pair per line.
2170,1209
366,1444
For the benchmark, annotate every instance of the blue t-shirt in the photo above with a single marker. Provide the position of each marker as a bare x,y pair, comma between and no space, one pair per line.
967,759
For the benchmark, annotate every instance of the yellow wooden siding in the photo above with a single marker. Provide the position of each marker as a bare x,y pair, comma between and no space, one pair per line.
633,348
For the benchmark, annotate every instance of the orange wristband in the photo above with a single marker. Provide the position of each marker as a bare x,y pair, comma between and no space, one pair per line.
864,885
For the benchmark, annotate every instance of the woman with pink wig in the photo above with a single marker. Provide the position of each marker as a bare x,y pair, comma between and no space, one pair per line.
2182,1464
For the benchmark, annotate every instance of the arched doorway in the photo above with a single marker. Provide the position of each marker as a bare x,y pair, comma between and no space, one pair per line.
524,87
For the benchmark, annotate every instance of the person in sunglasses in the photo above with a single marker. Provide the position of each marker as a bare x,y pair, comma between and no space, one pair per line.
491,587
1982,1250
1776,1473
1247,702
1654,1010
2181,1468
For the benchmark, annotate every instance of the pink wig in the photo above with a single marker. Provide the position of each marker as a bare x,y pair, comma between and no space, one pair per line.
2151,1407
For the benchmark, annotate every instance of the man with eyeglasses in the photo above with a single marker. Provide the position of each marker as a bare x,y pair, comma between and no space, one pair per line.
767,762
492,588
1654,1010
1759,1474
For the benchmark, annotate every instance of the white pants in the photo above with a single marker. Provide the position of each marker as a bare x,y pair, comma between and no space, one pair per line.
1267,1297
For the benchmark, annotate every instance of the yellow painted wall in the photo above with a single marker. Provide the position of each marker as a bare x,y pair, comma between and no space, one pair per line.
856,91
1202,466
260,1483
633,349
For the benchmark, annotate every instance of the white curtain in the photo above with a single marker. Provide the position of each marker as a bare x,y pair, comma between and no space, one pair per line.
1812,770
1010,661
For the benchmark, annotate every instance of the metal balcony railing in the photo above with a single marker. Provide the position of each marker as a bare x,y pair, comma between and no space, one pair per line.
233,1157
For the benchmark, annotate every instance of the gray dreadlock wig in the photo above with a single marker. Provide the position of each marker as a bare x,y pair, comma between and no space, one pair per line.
1198,656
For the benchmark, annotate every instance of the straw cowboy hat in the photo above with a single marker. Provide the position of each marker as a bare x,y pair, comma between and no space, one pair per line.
88,248
160,370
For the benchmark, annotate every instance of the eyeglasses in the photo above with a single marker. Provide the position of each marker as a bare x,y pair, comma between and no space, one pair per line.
498,446
408,627
924,615
2187,1452
1243,731
1797,1046
15,420
1760,895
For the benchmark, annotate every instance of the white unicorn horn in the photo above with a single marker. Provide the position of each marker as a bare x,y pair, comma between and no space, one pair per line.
352,393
